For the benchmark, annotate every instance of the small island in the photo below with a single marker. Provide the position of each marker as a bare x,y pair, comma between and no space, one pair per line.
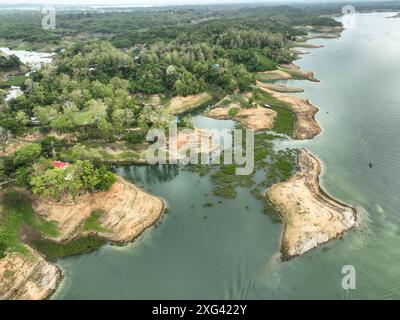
310,216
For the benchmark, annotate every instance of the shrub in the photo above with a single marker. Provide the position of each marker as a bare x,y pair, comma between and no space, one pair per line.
22,176
27,154
233,112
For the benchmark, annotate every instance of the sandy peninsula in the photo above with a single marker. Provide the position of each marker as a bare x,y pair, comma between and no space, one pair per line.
306,127
323,32
256,118
286,72
394,17
299,51
310,216
279,87
127,212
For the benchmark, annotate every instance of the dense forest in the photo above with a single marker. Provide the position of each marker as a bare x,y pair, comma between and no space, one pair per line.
199,48
126,29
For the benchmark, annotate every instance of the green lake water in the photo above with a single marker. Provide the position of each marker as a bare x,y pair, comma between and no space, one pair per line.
230,252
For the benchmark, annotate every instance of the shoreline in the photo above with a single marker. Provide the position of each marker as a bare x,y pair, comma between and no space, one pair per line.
300,232
306,126
315,220
22,275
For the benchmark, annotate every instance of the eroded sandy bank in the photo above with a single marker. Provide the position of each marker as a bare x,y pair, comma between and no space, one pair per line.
180,104
27,277
310,216
127,212
286,72
279,87
256,118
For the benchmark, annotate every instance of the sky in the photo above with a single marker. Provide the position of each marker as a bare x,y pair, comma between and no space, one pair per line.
151,2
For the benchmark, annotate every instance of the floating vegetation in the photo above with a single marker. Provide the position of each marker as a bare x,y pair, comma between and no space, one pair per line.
274,166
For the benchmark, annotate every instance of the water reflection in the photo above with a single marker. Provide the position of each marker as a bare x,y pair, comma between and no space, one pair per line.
149,174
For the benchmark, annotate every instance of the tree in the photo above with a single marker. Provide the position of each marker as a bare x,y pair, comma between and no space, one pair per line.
123,118
46,114
51,183
106,130
22,177
27,154
97,110
50,146
106,179
22,117
79,176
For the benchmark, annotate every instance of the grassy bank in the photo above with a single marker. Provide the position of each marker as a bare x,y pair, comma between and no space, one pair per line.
17,213
54,250
285,120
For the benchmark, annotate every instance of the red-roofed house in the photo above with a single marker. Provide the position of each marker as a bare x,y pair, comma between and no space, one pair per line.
59,164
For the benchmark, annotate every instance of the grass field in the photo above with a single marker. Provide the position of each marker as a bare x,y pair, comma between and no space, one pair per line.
15,81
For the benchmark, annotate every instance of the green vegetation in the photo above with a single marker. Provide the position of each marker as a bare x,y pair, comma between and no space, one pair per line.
97,152
53,250
226,182
208,204
285,120
18,80
274,166
101,88
233,112
27,154
8,63
80,176
93,222
17,213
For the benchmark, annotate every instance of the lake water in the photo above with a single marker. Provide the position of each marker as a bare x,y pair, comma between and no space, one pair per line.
230,252
34,60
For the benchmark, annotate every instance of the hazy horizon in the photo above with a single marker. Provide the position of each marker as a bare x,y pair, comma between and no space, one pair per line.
143,3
